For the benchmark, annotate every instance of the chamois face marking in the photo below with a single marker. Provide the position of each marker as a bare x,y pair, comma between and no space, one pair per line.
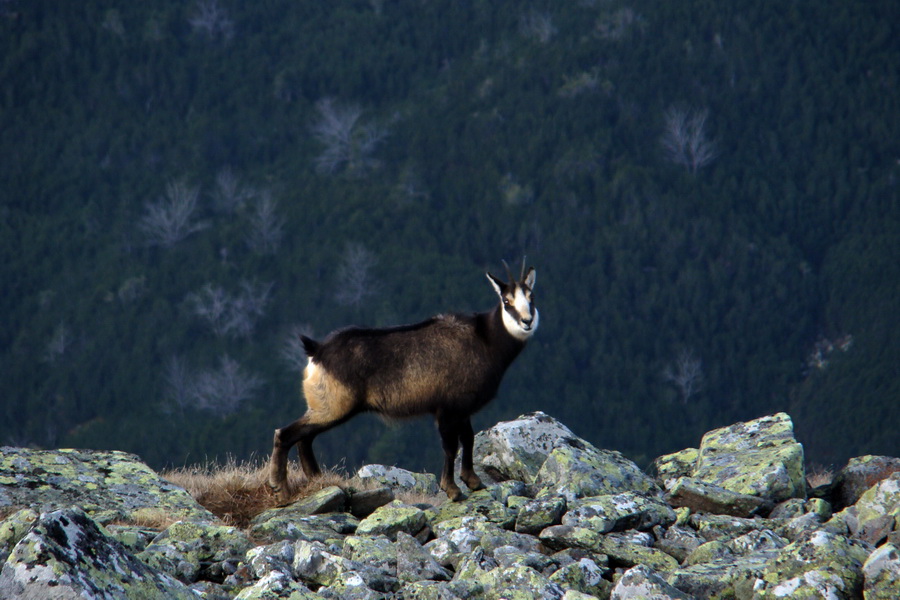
520,317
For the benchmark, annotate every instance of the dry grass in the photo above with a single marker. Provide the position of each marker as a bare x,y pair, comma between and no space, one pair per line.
819,475
237,492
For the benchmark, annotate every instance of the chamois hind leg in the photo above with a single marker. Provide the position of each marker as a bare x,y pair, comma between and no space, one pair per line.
467,469
449,430
301,433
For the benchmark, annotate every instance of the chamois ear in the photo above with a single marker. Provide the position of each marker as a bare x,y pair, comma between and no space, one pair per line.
498,285
530,278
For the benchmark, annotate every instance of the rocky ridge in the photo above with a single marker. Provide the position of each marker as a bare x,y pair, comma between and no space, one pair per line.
733,518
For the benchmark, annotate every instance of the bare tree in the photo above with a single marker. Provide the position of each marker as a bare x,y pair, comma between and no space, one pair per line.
223,390
292,351
354,275
178,382
349,143
685,139
59,342
227,314
266,227
211,20
686,373
171,219
229,194
538,26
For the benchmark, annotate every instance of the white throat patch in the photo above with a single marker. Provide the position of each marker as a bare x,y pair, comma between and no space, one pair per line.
515,327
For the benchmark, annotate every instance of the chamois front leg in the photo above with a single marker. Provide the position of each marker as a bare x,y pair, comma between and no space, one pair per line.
449,430
467,469
297,433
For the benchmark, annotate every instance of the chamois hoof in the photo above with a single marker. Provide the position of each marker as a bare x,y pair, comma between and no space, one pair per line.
283,495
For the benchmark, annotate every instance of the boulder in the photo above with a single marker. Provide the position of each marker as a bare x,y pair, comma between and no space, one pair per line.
641,582
191,550
859,475
877,512
757,458
882,574
701,496
619,512
517,449
67,555
400,480
391,519
108,486
578,469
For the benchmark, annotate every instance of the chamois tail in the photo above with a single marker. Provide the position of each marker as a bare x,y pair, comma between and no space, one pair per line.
310,345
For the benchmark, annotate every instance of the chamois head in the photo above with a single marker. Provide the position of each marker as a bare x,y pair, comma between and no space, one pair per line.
520,317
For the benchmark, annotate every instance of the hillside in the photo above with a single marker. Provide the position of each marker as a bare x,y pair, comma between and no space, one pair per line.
709,194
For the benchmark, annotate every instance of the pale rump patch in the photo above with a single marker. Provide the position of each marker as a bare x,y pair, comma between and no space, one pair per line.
327,399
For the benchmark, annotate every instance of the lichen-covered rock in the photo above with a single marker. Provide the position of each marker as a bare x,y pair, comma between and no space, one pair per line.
507,556
263,560
882,574
482,502
190,550
66,555
724,579
400,480
350,585
877,512
13,528
583,575
758,458
578,469
414,563
314,564
859,475
108,486
618,512
641,582
375,551
536,515
519,582
714,527
670,467
326,500
620,552
364,502
709,552
677,541
276,586
823,566
517,449
392,518
284,524
701,496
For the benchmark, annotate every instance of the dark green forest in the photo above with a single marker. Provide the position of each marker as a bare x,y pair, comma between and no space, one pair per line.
710,193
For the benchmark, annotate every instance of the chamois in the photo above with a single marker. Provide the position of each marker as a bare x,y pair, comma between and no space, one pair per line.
449,366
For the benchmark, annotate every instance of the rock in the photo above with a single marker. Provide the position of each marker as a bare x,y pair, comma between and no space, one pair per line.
190,551
14,528
392,518
66,555
758,458
414,563
701,496
276,586
642,582
721,579
364,502
329,499
400,480
108,486
859,475
264,560
536,515
876,514
507,556
882,574
621,553
517,449
578,469
482,502
375,551
584,576
284,524
677,541
823,566
618,512
678,464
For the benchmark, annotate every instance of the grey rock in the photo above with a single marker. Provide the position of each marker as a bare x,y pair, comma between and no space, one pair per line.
859,475
757,458
618,512
364,502
641,582
400,480
882,574
392,518
66,555
539,514
701,496
108,486
414,563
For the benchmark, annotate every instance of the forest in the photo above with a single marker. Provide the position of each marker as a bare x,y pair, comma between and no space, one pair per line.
709,192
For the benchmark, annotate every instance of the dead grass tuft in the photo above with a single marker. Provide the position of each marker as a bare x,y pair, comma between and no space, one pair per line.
819,475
